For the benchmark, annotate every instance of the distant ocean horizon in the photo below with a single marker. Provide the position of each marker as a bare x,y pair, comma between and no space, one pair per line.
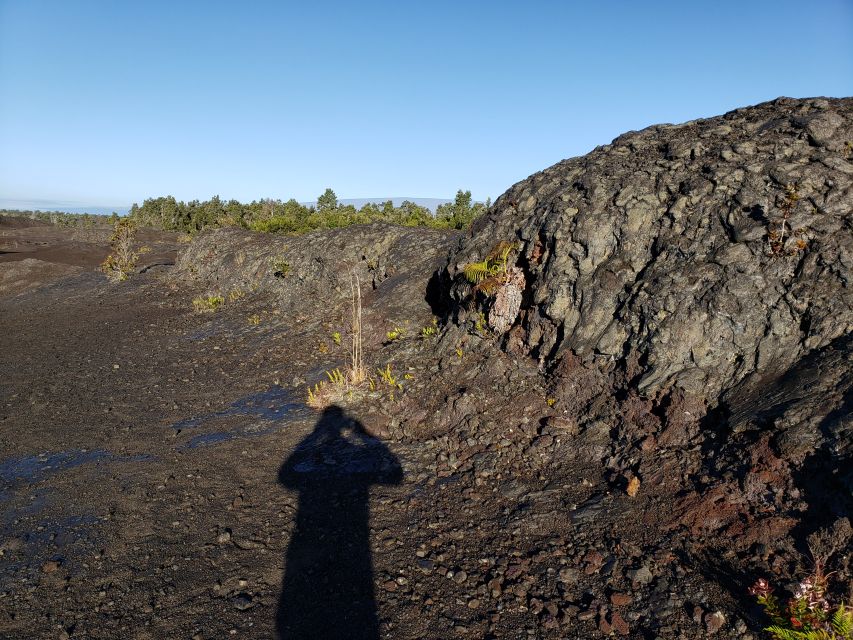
104,210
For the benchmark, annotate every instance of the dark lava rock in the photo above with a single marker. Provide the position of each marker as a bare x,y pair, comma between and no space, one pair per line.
393,263
657,246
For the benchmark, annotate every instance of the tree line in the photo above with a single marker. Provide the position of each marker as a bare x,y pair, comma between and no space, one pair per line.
62,219
275,216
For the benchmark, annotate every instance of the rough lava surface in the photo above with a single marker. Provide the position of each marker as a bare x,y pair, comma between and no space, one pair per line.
656,247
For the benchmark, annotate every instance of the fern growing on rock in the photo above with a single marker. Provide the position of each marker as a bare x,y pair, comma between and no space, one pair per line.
492,272
501,283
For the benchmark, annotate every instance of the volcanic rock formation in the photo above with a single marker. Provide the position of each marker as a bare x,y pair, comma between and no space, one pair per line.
709,252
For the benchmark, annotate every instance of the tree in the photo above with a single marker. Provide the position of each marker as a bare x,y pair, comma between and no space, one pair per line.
461,213
327,201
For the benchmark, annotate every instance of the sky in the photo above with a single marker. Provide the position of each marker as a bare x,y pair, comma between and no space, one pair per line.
107,103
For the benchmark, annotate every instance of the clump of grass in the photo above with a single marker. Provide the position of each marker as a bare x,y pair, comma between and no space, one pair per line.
236,295
343,384
254,319
357,372
207,304
324,394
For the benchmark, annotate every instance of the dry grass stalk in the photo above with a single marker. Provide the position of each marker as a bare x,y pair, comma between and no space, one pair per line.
357,372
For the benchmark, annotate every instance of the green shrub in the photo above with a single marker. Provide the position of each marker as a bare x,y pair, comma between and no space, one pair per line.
207,304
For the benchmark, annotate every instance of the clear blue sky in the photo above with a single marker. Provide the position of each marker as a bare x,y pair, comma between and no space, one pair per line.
111,102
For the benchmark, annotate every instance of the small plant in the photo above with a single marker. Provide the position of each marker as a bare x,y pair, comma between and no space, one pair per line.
480,324
459,352
431,330
254,319
322,347
324,394
396,334
336,377
207,304
343,384
551,401
489,274
779,237
810,614
387,376
122,260
236,295
316,396
280,267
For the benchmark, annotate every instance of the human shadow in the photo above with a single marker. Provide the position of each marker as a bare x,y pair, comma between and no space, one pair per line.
327,589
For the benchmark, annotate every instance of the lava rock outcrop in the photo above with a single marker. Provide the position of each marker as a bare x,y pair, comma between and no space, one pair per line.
692,256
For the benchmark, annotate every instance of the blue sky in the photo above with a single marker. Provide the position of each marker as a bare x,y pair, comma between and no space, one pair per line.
107,103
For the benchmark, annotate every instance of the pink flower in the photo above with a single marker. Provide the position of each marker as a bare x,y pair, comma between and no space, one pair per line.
761,588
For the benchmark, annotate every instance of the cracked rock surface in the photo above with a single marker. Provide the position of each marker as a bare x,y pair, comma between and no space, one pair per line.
657,246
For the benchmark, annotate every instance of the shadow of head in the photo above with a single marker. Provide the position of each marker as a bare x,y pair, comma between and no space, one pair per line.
340,449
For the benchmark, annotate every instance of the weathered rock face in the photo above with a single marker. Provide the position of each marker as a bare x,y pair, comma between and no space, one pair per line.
309,275
702,253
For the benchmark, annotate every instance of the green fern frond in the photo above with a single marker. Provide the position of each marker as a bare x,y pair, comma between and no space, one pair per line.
781,633
476,272
489,274
842,623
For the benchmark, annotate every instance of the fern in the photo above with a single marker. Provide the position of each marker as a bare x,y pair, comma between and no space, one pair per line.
476,272
489,274
781,633
490,285
842,629
842,623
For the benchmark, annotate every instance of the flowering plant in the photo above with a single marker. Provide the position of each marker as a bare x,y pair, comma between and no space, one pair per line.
808,615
